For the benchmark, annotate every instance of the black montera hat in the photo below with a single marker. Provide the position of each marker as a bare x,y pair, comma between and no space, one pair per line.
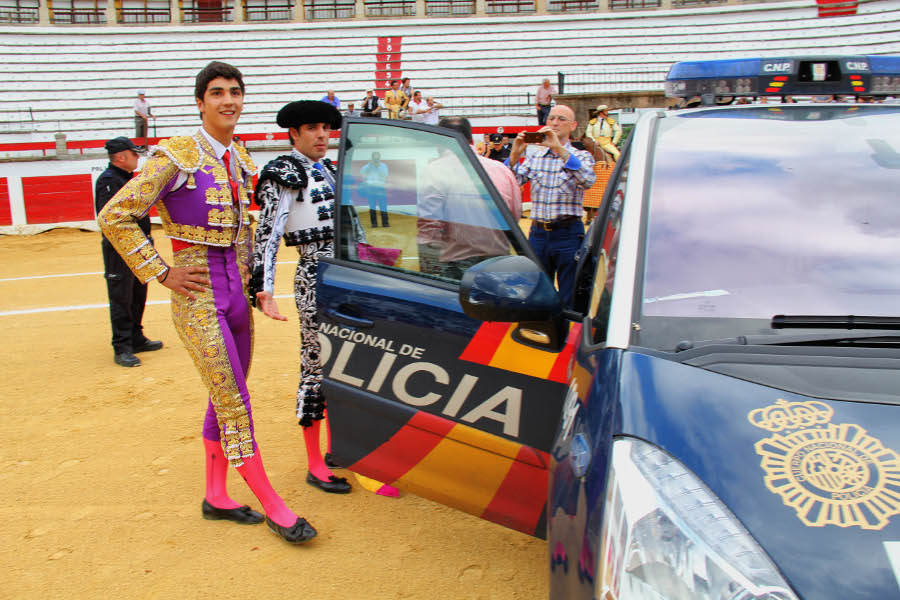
119,144
302,112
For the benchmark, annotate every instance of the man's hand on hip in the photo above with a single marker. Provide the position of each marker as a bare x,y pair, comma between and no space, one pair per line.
184,279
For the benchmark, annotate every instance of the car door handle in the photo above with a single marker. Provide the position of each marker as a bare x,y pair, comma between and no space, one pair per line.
351,321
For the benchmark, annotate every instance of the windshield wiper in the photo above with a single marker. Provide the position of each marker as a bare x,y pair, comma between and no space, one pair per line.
834,322
872,340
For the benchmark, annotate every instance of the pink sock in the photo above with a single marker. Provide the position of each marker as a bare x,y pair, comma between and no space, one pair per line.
216,474
314,453
254,474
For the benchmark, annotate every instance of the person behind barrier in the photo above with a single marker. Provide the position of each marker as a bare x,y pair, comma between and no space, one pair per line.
559,174
605,131
542,101
142,116
370,106
200,185
395,100
496,150
127,294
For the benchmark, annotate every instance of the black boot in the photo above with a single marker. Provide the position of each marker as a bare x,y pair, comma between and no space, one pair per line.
384,219
374,218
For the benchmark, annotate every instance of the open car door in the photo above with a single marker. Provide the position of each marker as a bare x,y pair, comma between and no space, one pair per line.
420,395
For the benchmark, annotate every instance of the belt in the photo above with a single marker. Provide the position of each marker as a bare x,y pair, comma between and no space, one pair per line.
557,224
539,104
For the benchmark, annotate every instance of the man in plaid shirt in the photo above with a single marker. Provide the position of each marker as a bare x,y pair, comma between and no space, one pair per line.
559,175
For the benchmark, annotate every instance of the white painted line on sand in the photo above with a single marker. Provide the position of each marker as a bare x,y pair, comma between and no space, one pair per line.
280,262
31,311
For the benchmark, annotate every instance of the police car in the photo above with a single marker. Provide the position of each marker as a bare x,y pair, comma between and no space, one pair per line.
716,415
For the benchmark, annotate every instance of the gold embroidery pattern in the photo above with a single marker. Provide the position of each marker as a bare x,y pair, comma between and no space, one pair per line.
219,197
198,327
829,474
183,151
118,219
222,218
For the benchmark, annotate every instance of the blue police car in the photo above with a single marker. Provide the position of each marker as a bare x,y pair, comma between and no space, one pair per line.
715,416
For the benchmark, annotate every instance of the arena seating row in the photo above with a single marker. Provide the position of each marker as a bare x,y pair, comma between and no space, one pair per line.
82,81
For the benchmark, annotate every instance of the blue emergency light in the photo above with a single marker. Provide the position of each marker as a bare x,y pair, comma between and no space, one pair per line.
797,75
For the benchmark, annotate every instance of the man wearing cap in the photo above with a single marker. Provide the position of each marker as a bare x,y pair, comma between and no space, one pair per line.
351,111
141,116
370,107
200,186
295,193
496,150
127,295
604,130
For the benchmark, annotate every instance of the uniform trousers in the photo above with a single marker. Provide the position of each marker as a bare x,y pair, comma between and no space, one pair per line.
127,298
217,330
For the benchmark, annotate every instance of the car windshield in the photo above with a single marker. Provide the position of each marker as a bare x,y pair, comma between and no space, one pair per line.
770,210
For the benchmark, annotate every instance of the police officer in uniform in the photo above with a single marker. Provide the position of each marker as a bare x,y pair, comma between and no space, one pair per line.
127,295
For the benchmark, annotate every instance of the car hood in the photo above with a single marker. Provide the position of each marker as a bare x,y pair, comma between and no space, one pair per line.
816,482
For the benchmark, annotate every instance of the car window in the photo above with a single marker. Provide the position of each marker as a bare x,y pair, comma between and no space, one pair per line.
604,275
414,203
771,210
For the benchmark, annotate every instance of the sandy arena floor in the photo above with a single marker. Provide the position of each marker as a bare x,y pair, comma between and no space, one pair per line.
101,472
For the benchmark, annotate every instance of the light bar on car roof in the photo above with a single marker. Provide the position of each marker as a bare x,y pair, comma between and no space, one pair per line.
799,75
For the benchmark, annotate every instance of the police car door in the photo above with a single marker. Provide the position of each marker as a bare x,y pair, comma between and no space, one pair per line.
420,395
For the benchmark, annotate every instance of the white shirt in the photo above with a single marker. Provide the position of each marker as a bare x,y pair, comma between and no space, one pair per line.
414,108
142,107
432,117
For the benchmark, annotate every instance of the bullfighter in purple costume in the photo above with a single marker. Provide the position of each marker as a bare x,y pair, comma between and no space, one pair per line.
200,185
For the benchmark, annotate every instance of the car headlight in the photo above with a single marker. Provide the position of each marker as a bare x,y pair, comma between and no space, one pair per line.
666,536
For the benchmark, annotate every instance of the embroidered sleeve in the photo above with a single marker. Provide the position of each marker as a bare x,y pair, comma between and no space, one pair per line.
119,218
275,203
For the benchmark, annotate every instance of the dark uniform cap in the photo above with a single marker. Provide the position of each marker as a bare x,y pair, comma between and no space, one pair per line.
119,144
303,112
496,138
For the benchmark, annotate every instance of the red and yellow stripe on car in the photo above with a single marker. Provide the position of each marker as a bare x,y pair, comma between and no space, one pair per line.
466,468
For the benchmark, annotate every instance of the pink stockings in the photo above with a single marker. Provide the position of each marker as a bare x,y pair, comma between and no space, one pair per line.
254,474
314,453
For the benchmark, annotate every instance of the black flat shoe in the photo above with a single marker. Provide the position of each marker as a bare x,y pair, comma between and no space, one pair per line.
334,485
243,515
299,532
127,359
331,462
149,346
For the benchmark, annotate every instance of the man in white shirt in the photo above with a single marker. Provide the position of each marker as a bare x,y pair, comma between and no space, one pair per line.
431,115
417,107
141,117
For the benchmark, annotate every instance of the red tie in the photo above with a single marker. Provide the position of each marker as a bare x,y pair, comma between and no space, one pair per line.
234,189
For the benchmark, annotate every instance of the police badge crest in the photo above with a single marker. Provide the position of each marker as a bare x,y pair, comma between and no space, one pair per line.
831,474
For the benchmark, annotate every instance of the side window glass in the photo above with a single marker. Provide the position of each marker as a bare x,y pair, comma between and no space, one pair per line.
412,202
605,274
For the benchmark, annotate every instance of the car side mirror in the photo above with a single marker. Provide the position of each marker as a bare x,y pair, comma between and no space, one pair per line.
513,289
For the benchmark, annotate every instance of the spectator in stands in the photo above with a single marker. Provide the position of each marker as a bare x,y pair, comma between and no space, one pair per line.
424,111
496,150
431,115
542,100
127,295
559,175
452,235
417,107
406,87
142,116
203,180
370,106
375,174
331,99
395,100
351,111
605,131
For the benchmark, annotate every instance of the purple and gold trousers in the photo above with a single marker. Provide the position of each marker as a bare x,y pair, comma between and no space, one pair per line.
217,330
